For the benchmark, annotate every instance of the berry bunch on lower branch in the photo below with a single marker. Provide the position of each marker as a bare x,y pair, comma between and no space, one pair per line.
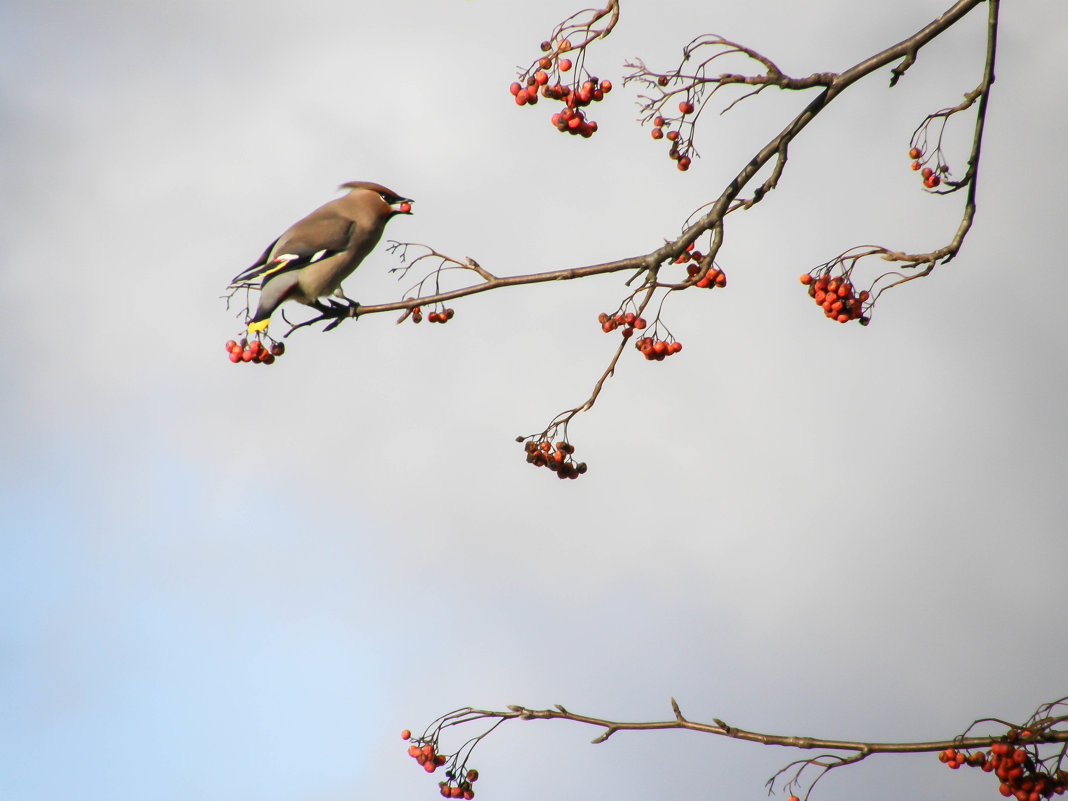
558,457
261,350
837,296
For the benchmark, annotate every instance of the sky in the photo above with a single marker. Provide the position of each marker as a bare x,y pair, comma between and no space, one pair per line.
242,582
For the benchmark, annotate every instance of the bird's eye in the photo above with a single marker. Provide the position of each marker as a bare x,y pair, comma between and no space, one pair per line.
384,197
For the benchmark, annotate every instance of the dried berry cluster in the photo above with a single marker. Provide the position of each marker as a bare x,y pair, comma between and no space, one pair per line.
442,316
547,81
559,459
837,297
931,178
425,754
1020,776
656,350
681,159
255,352
628,321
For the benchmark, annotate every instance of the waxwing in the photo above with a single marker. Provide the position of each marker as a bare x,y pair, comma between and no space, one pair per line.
311,259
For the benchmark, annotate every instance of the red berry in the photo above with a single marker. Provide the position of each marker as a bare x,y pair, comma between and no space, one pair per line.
915,165
806,279
406,734
522,97
656,133
514,88
658,122
246,355
230,345
565,63
684,163
606,86
541,78
927,172
686,107
235,355
915,153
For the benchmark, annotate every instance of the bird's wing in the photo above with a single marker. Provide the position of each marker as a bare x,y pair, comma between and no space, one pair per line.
310,240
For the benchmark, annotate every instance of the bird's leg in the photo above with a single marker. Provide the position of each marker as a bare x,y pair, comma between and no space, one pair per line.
352,304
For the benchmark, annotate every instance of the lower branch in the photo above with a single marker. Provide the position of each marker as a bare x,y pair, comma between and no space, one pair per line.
1014,754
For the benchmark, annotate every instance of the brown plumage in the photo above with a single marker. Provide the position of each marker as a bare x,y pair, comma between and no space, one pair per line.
311,259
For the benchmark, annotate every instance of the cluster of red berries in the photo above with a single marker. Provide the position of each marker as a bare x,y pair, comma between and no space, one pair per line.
656,350
628,321
659,122
455,787
1015,767
837,297
255,351
442,316
931,178
424,754
715,277
571,119
559,459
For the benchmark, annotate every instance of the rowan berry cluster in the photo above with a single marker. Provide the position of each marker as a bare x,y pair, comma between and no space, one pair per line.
425,754
628,321
837,297
1019,771
439,316
558,458
548,82
931,177
715,277
256,351
680,147
457,783
656,350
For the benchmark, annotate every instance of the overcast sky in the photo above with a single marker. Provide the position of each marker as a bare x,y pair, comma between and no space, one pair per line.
241,583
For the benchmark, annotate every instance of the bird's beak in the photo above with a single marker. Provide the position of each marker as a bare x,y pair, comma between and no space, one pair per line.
403,206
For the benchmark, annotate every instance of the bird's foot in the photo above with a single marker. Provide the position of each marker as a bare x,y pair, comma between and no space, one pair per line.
333,310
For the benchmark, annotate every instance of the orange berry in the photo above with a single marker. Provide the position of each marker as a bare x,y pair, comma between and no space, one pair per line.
230,345
915,153
564,46
686,107
565,64
806,279
414,751
656,133
514,88
658,122
915,165
606,86
927,172
684,163
235,355
541,78
406,734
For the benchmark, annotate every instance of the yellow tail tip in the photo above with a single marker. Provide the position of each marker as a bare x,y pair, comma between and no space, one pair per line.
255,328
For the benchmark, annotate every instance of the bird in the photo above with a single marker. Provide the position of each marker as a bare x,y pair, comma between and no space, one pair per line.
310,260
